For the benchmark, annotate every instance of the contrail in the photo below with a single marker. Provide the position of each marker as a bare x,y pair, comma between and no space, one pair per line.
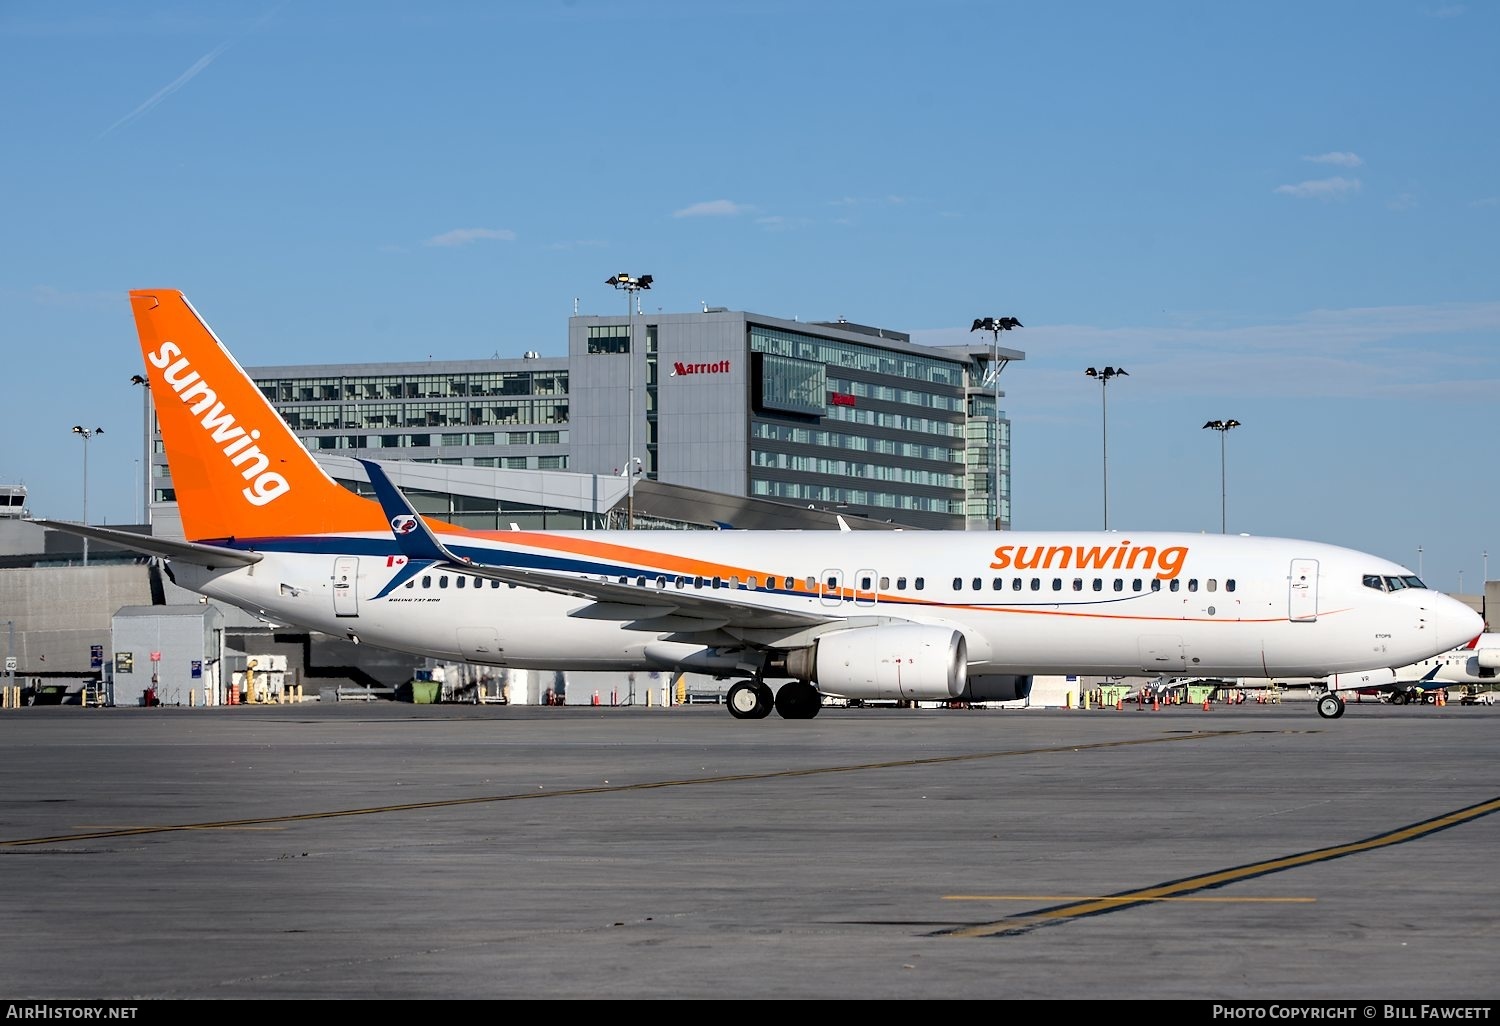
167,90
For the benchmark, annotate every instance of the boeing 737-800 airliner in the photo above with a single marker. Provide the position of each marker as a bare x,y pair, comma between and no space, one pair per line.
792,616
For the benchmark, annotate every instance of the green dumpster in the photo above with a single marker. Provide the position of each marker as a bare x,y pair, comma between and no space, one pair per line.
425,692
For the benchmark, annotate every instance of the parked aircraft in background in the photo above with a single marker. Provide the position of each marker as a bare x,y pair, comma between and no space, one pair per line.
793,615
1473,666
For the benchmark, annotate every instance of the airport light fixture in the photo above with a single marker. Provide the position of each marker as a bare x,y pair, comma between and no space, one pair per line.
145,493
1223,427
632,288
87,434
995,325
1104,376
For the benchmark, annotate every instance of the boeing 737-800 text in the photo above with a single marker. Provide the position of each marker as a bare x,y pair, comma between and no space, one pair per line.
791,616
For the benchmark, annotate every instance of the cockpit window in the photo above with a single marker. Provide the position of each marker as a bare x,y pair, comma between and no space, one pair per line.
1414,582
1395,583
1375,581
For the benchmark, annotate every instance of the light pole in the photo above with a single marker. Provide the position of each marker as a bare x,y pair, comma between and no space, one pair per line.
1419,561
86,434
1103,376
1223,427
145,494
995,325
630,286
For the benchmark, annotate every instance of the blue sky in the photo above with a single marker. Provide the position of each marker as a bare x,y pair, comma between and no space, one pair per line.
1282,213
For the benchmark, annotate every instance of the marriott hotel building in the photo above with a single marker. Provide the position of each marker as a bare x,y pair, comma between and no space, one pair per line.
729,419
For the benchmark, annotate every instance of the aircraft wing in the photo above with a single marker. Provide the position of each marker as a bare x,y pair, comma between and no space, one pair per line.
693,611
214,557
615,601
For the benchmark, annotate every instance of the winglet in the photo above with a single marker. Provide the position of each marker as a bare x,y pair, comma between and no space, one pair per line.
415,538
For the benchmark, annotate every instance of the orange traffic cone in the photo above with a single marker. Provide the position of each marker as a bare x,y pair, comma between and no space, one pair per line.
1205,705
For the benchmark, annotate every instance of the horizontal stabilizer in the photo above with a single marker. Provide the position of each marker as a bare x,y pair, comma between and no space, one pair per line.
214,557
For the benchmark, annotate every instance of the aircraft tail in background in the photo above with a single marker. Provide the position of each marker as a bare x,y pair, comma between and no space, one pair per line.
237,470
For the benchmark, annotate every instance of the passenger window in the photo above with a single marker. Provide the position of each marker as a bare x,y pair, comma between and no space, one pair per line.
717,583
1229,584
754,582
1213,584
1119,584
460,582
978,584
997,583
1156,584
1098,584
1057,584
734,581
495,582
661,582
1036,584
866,583
1135,585
410,584
901,584
958,583
443,581
885,584
1193,584
427,582
1078,584
1015,585
1176,584
791,584
921,582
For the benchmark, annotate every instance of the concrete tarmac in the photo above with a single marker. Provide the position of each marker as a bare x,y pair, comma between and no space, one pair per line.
391,851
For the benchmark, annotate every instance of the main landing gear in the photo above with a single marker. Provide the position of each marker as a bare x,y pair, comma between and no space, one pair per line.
753,700
1330,706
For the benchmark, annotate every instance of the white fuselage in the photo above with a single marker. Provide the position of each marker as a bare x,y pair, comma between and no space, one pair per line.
1037,602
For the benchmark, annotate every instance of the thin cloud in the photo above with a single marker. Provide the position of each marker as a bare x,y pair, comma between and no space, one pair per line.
1321,188
712,208
161,94
1338,158
464,236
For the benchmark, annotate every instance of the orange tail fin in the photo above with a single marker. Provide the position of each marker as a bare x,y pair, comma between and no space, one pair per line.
237,469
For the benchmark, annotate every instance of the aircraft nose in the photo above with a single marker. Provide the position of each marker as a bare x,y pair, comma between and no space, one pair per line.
1451,622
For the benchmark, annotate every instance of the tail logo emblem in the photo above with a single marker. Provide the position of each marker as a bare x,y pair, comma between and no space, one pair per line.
404,524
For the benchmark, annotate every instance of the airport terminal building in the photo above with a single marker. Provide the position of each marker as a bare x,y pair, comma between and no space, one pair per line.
828,416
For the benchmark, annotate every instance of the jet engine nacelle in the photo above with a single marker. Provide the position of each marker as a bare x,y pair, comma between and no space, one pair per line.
997,687
904,662
1487,658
